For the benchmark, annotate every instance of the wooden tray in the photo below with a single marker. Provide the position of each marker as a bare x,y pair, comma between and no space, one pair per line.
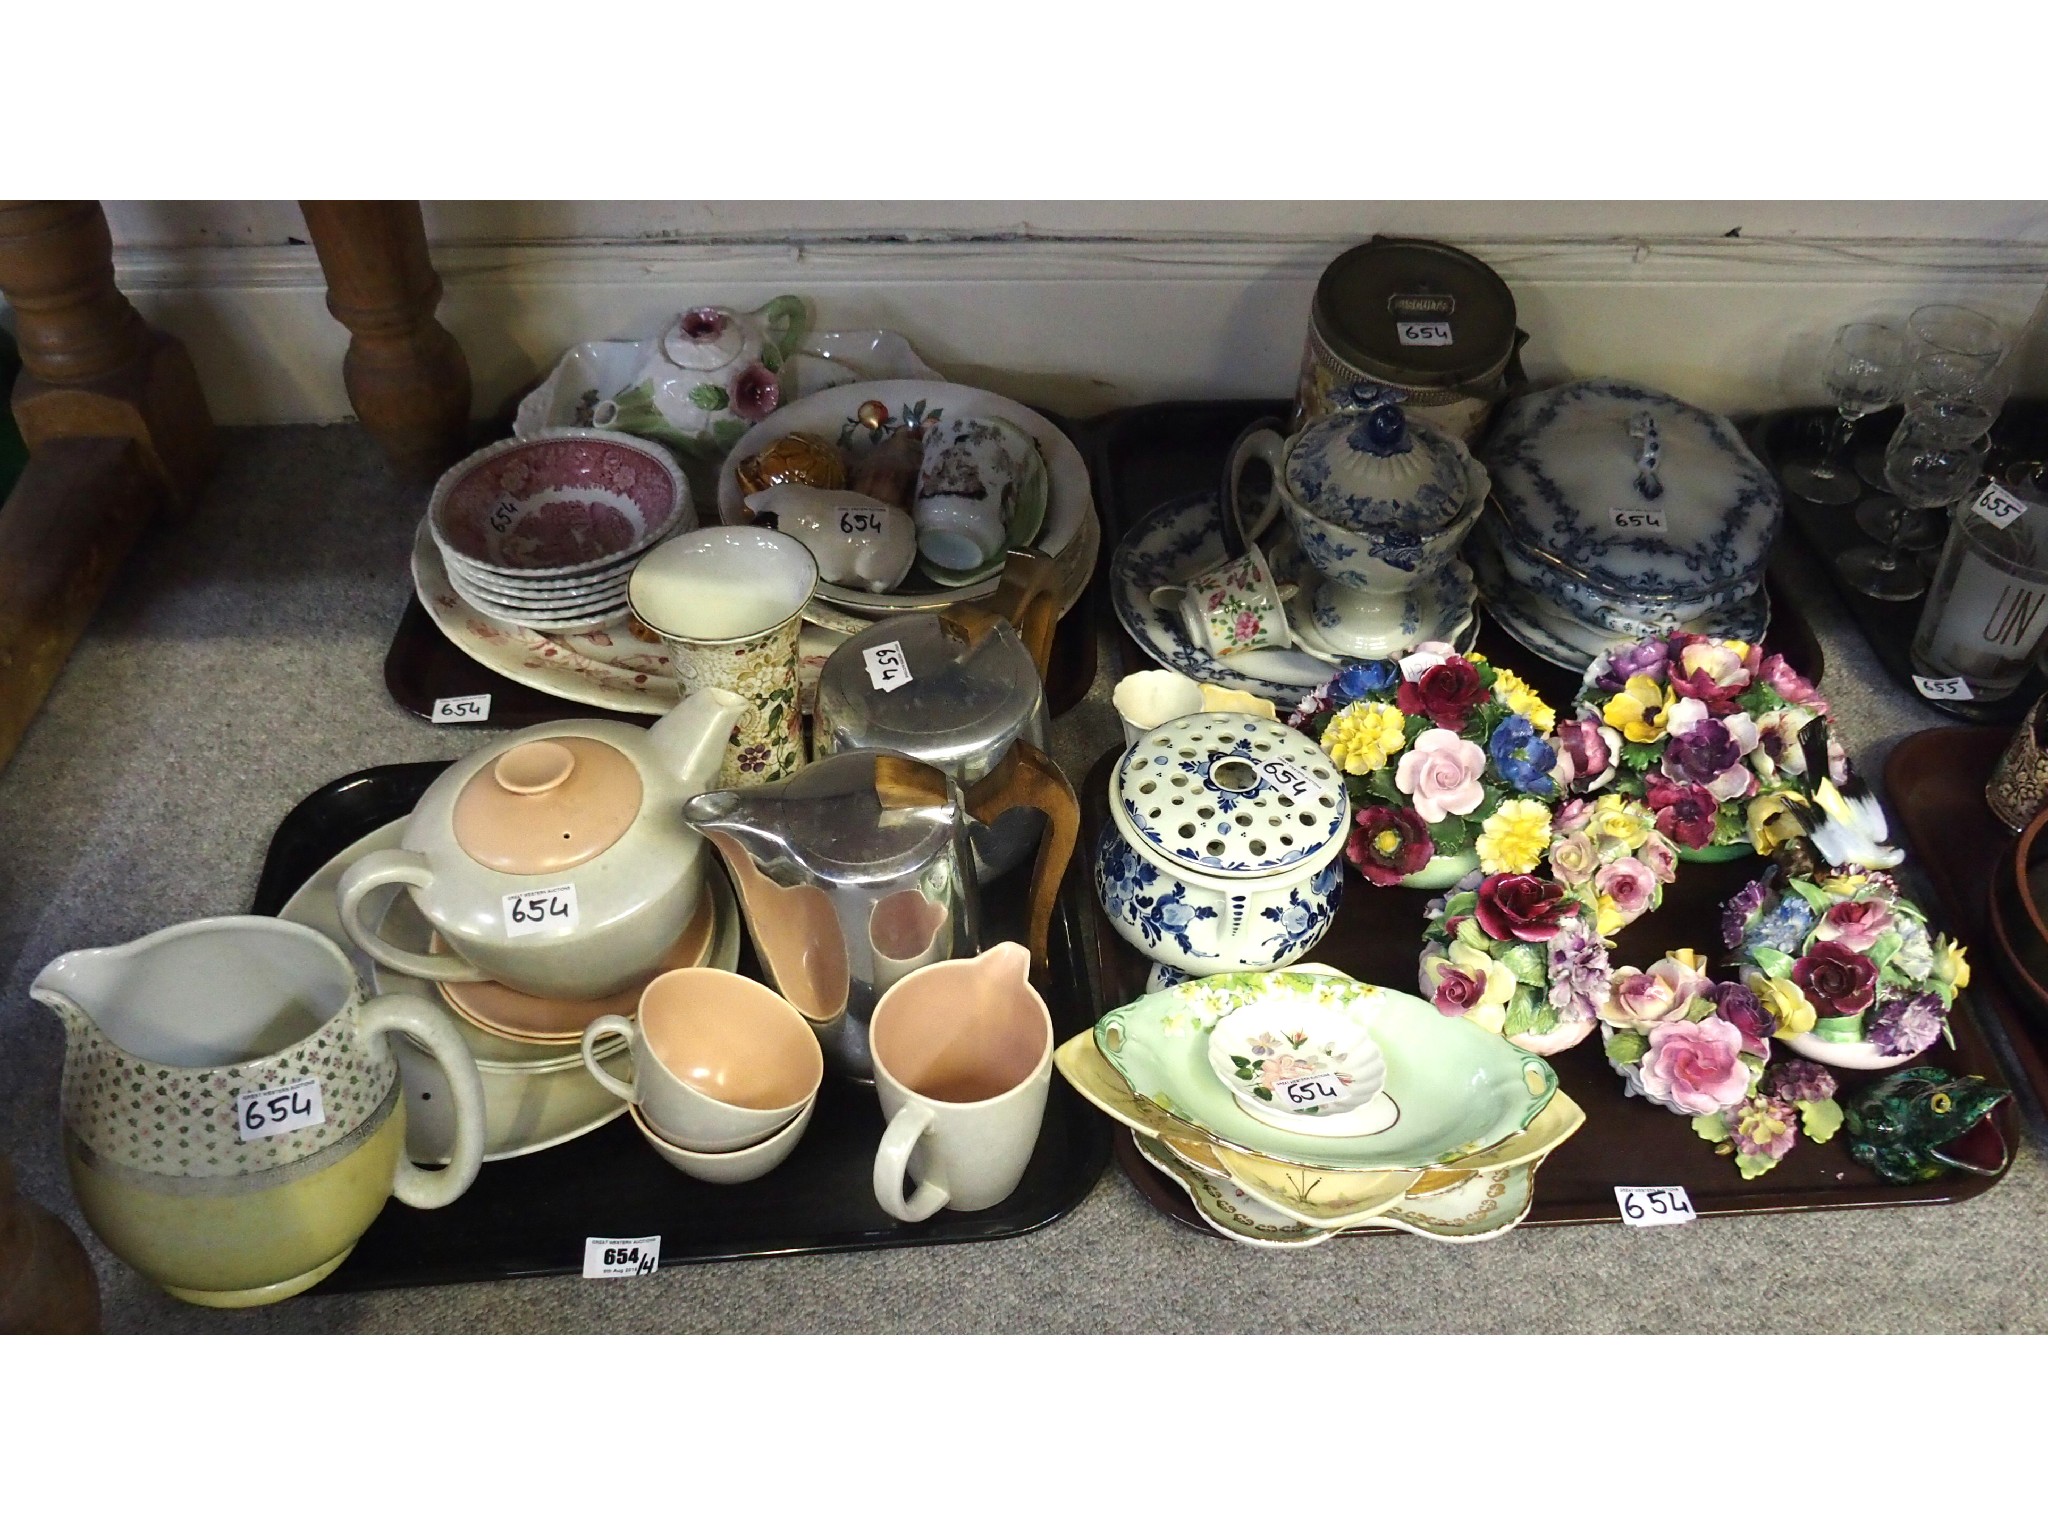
1934,783
1150,454
1377,937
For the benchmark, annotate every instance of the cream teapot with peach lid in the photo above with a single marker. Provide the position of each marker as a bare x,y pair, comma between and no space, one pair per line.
557,861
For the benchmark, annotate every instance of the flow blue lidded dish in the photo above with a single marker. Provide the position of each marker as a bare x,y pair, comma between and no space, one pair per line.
1624,509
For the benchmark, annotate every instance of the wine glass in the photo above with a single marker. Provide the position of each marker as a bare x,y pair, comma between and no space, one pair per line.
1924,468
1953,352
1955,420
1863,373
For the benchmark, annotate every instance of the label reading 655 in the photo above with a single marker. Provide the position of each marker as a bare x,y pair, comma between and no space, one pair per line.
536,914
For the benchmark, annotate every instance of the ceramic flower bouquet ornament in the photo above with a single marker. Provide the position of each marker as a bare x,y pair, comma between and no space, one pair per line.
1608,853
1708,733
1518,955
1847,969
1448,762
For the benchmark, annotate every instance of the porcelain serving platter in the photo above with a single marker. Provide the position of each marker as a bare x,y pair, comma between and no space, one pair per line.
530,1215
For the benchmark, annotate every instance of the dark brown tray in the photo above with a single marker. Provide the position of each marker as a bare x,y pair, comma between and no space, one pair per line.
530,1215
1934,782
1830,530
1377,937
1151,454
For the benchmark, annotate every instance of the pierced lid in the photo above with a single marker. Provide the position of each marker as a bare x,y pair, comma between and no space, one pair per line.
547,805
1369,465
1230,794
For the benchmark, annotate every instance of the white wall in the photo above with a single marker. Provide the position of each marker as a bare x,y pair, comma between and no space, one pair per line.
1083,306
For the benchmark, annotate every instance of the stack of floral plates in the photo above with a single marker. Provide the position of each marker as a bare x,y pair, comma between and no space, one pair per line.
1293,1105
545,533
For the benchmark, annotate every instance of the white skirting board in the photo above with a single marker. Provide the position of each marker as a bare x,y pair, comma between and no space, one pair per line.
1087,325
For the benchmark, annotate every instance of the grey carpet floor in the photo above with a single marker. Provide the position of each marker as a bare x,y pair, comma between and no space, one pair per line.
237,667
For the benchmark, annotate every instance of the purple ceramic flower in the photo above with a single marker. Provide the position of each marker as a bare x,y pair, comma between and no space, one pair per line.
702,324
1647,658
1579,976
1762,1127
1795,1080
1708,752
1739,1006
1906,1026
1588,752
1684,812
755,393
1738,911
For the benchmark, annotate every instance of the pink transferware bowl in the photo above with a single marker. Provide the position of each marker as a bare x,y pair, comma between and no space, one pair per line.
566,502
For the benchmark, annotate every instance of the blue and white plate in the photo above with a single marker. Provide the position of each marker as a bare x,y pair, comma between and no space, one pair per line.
1167,547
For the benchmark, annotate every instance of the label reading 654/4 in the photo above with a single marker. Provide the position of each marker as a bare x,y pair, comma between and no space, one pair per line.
536,914
261,1112
620,1258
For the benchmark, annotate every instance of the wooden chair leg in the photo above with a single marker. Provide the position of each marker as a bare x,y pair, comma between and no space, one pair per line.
406,376
91,367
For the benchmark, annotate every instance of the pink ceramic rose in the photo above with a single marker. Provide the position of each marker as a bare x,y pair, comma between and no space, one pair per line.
1660,857
1573,859
1855,925
1696,1066
1638,999
1440,775
1787,683
1629,884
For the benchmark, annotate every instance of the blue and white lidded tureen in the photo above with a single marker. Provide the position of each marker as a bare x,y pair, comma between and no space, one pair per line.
1378,503
1620,503
1223,851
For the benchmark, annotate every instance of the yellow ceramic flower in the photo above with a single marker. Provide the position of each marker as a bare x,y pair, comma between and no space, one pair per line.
1617,819
1784,1002
1951,966
1844,885
1774,820
1513,840
1639,710
1608,918
1360,738
1523,700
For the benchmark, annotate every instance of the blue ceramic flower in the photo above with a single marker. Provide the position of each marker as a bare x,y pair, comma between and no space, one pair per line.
1362,680
1521,757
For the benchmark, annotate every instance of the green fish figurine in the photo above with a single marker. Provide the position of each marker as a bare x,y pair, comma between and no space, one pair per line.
1908,1127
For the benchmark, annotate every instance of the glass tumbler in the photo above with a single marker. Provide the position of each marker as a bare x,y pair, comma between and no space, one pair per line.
1987,607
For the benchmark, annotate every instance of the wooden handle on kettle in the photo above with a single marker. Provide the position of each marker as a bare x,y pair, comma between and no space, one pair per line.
1026,776
1027,596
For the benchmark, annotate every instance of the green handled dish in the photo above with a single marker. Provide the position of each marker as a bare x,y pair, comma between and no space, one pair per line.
1458,1088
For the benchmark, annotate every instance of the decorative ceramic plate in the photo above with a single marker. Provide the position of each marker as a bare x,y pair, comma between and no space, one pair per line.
1303,1067
596,370
1457,1088
1228,1210
1322,1198
832,416
1165,548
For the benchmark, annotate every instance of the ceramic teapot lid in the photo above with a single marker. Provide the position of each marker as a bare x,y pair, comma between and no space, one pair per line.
1635,491
1370,465
544,806
1229,794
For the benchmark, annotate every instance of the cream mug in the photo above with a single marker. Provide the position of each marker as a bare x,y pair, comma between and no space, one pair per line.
963,1061
719,1061
729,605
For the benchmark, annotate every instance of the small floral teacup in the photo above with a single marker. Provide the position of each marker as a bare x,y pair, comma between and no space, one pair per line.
1238,606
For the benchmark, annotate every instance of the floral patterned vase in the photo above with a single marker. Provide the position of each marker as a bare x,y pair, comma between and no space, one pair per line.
768,742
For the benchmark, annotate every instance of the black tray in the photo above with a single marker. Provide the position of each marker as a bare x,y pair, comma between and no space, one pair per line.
2022,431
530,1215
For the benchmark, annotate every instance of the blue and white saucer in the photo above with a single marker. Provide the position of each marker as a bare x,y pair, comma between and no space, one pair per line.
1167,547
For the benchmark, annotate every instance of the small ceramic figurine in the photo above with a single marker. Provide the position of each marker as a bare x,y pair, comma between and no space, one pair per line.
857,540
1908,1128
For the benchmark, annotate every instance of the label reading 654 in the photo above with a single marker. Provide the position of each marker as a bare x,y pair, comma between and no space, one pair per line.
466,708
536,914
1637,519
851,521
1423,333
1308,1092
261,1112
620,1258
